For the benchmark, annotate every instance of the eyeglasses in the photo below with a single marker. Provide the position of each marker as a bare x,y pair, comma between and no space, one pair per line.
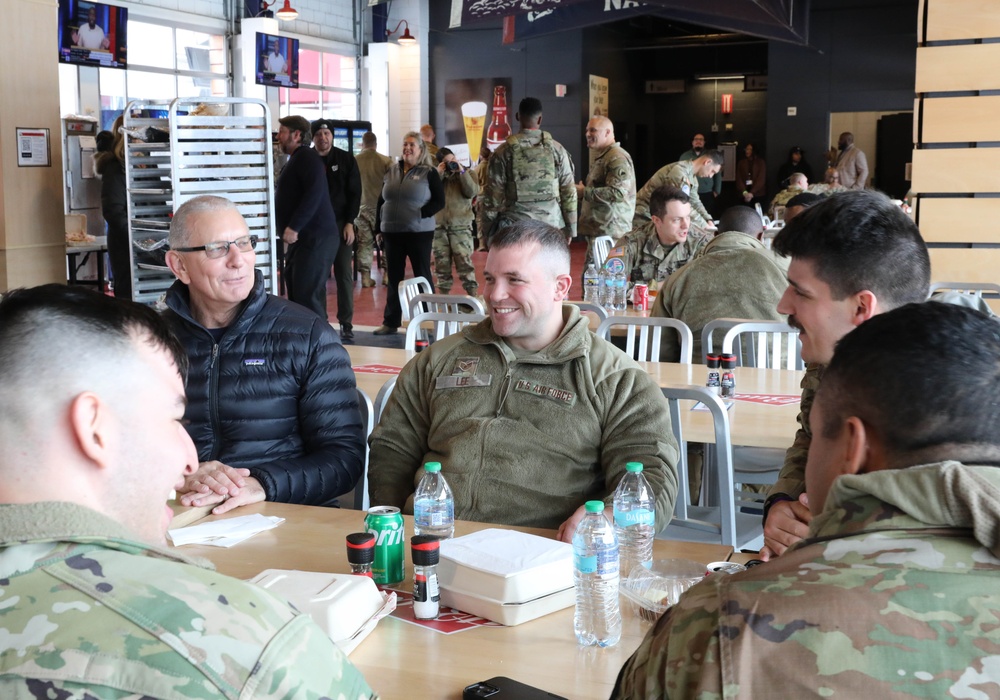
219,249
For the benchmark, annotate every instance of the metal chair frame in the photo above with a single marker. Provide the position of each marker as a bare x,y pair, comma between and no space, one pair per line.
408,289
600,247
649,331
722,523
444,303
445,324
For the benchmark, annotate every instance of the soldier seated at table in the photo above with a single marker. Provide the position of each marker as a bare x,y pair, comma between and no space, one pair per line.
272,401
797,184
734,276
95,605
655,249
887,595
529,413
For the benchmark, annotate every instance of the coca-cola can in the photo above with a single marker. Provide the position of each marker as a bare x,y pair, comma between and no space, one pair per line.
640,297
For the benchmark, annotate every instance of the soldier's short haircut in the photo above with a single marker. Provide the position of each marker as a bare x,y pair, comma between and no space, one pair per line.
550,239
860,240
797,179
717,156
368,140
57,342
180,224
743,219
530,108
920,376
659,197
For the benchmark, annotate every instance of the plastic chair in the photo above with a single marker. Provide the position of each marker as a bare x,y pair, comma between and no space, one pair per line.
444,325
649,332
722,523
359,496
975,289
408,289
382,398
601,247
445,303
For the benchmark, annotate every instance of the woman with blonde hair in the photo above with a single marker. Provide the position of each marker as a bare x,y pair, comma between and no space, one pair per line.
412,193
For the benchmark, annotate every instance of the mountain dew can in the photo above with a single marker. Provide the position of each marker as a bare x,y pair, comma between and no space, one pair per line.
386,524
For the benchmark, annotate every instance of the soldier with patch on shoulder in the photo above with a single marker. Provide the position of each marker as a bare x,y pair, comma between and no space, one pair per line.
889,594
684,176
657,248
95,605
608,196
529,413
530,176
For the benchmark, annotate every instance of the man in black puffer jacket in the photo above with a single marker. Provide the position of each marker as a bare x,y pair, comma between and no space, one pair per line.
272,398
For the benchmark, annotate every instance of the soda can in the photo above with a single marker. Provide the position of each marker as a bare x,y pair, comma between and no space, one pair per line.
386,524
724,567
640,297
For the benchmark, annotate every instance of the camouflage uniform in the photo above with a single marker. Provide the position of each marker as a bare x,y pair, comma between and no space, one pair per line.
888,598
680,175
373,167
530,177
650,262
781,199
792,480
609,195
453,234
822,189
89,612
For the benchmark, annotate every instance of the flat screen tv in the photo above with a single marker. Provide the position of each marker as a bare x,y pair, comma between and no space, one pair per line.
277,61
92,34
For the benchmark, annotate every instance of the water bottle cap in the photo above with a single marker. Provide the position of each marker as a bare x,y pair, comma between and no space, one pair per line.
432,467
633,467
595,506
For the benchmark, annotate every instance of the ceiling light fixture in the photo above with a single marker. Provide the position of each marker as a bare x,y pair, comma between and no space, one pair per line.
287,12
406,39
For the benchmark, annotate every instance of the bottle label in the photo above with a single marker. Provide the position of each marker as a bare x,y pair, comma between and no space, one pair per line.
603,561
425,588
427,514
639,516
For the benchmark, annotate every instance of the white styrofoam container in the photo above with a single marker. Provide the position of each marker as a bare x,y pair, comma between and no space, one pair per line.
505,566
507,613
345,606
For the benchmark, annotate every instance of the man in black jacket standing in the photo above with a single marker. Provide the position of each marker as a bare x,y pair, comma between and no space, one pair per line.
344,182
305,219
272,401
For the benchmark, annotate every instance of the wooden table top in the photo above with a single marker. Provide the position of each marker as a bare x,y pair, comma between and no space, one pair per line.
756,421
401,660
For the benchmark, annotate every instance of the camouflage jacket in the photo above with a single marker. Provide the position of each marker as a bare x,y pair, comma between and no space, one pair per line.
792,479
650,262
373,166
734,276
781,199
680,175
89,612
525,182
609,195
887,598
459,189
822,189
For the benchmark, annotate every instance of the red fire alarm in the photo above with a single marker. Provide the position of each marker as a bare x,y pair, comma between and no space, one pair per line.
727,104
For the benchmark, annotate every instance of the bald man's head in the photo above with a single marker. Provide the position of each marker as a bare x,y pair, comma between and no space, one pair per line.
600,133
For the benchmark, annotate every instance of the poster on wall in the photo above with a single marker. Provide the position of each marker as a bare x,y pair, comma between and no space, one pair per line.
598,96
478,112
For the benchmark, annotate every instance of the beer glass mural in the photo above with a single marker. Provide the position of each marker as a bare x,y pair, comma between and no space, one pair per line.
478,112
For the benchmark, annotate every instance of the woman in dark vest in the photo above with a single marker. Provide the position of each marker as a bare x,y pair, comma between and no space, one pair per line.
412,194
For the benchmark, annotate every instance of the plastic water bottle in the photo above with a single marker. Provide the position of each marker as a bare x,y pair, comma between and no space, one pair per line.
598,620
433,504
607,288
635,519
621,289
591,284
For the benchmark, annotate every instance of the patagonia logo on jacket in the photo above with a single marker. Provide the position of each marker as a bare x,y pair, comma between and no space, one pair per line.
254,362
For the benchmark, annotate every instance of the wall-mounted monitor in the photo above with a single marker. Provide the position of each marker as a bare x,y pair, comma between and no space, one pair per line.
92,34
277,61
